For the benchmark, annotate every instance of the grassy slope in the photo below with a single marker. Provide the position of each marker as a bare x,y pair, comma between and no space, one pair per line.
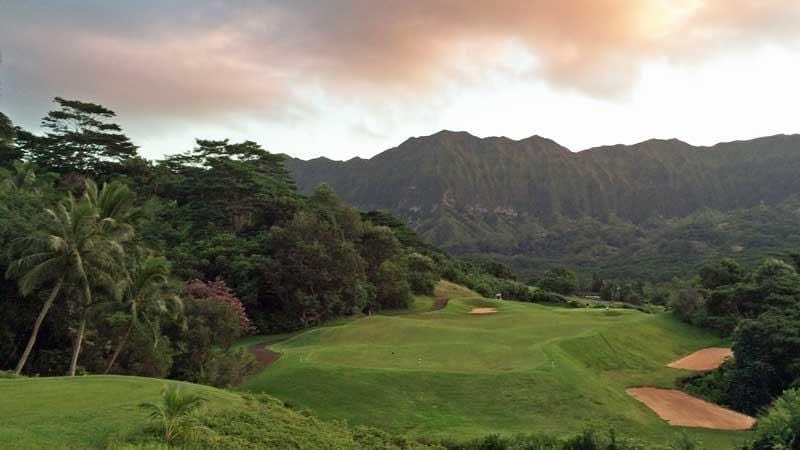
529,368
80,412
91,412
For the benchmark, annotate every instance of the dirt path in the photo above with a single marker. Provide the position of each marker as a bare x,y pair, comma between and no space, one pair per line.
439,303
681,409
263,355
702,360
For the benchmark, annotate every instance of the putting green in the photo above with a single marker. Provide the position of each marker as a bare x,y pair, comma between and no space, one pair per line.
526,368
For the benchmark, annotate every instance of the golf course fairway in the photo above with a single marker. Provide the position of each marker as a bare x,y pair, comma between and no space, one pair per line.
526,368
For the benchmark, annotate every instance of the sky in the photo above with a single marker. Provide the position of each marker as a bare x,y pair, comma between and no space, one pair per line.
346,78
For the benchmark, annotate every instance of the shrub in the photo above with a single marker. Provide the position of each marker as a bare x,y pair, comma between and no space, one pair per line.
780,427
228,368
173,414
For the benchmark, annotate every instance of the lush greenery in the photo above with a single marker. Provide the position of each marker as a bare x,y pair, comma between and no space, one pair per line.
109,415
760,310
527,368
649,211
162,265
115,264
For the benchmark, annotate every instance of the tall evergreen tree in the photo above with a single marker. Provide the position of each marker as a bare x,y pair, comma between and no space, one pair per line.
80,138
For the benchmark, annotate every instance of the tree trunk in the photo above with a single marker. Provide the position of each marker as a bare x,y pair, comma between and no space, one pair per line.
123,340
77,348
32,340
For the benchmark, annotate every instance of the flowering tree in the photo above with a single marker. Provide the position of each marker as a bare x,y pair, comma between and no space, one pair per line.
217,291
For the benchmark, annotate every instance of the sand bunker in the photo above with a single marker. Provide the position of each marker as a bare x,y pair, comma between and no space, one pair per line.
706,359
483,311
681,409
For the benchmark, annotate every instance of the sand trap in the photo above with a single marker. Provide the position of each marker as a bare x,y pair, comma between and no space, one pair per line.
681,409
705,359
483,311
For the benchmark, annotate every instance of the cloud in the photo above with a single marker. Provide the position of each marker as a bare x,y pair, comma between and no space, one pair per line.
193,59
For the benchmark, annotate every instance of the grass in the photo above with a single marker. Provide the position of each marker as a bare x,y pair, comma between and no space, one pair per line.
81,412
528,368
95,412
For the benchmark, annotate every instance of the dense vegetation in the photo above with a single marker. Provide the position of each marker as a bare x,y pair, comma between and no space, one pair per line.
760,311
117,264
649,211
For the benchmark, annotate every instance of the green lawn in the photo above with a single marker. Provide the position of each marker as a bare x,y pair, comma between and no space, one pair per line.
81,412
528,368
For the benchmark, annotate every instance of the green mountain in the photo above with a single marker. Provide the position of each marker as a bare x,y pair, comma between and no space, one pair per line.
651,209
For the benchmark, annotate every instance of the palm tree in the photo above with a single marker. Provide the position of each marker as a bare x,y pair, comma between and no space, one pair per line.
54,258
174,412
147,298
81,249
115,209
115,217
24,177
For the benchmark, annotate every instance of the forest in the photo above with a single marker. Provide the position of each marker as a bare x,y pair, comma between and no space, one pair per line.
118,264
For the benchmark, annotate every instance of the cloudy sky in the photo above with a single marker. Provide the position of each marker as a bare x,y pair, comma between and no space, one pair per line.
345,78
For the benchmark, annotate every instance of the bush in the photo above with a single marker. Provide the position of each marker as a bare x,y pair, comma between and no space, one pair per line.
713,386
560,280
228,368
780,427
588,440
264,423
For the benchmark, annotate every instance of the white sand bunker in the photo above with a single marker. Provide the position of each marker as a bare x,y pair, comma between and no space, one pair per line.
681,409
705,359
483,311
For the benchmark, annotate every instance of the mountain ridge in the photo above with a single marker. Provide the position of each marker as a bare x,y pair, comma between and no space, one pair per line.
485,195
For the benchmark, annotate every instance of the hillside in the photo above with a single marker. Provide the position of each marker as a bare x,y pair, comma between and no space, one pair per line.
102,412
516,198
524,369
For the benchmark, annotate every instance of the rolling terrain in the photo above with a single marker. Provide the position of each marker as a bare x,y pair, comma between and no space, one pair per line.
535,204
526,368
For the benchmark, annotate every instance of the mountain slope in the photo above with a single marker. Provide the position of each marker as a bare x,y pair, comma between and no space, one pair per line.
496,195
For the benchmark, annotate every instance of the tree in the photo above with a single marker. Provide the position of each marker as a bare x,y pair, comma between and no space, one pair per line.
238,187
23,176
209,325
779,428
80,138
315,272
422,274
69,252
559,280
174,412
392,287
114,215
147,299
219,292
766,358
378,244
724,272
8,136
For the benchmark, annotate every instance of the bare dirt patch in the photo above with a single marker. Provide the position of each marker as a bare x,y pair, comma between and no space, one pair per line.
705,359
483,311
439,303
263,355
681,409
